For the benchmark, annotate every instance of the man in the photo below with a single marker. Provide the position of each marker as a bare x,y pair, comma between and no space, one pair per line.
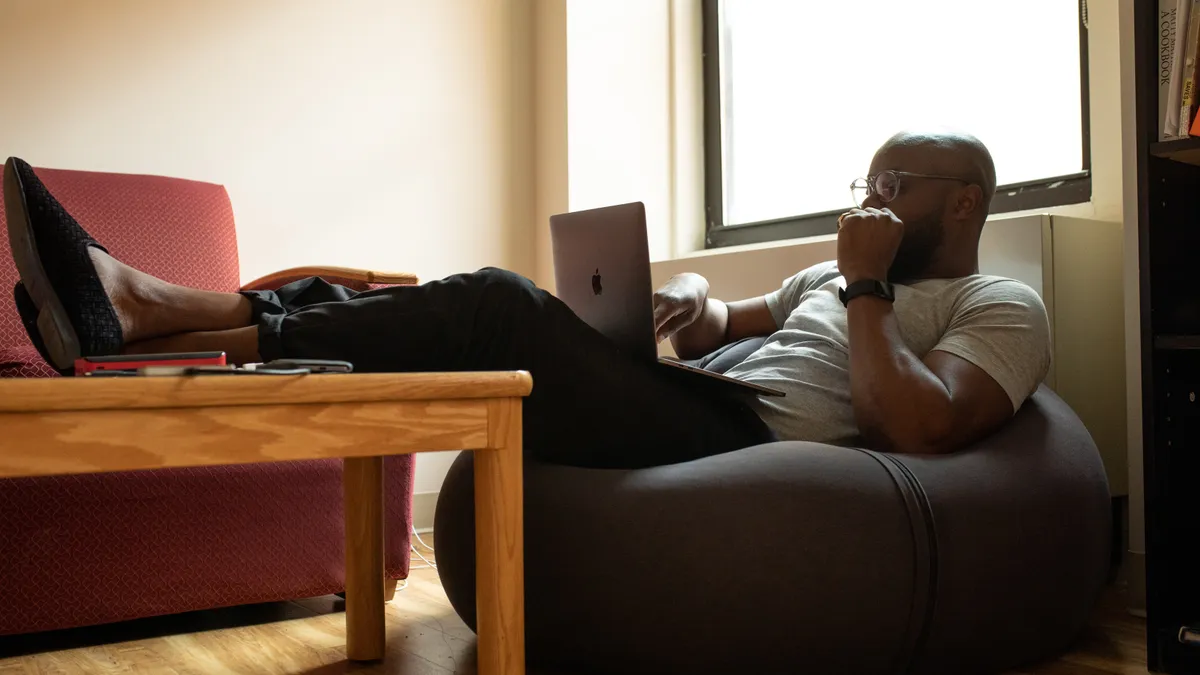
946,362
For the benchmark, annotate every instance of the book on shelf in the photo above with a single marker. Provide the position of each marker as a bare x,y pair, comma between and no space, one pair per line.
1188,92
1173,28
1168,29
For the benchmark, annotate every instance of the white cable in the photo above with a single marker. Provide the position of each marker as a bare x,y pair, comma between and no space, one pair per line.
424,559
413,547
428,563
418,536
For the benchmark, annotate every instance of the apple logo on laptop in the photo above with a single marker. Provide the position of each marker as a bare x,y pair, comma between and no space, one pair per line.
597,288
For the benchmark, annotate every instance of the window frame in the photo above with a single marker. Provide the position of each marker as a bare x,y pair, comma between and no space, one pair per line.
1075,188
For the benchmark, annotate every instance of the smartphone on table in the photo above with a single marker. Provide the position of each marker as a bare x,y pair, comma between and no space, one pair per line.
309,365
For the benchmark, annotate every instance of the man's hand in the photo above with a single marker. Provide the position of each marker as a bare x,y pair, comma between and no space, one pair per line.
698,324
678,304
867,243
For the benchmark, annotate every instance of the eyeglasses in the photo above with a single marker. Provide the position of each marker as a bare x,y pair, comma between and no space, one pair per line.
886,184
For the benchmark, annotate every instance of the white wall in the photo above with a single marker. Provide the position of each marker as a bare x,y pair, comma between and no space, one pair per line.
635,110
389,134
1133,343
551,164
618,102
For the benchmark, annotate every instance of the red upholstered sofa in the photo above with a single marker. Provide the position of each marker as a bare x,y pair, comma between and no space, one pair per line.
93,549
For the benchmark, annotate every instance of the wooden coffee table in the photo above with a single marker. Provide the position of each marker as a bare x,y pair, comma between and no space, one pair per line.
96,425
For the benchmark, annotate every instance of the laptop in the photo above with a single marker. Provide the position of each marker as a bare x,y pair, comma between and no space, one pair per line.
602,271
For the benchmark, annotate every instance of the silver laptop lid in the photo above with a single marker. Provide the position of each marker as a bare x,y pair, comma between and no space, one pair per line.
602,272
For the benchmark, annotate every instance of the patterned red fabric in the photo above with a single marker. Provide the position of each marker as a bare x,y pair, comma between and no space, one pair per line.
89,549
81,550
24,362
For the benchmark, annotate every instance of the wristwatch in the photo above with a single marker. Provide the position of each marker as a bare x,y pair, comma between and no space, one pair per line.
880,289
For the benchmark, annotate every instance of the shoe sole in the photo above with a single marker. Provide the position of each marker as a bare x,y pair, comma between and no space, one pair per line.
58,335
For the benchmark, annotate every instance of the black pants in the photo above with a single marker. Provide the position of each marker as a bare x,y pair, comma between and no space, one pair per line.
592,405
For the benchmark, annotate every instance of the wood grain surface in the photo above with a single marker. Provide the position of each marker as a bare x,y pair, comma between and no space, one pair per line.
367,276
499,545
362,482
86,393
51,443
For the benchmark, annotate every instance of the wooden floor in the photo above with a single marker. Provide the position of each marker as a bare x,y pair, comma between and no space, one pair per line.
425,637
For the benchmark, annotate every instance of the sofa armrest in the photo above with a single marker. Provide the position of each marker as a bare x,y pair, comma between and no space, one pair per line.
353,278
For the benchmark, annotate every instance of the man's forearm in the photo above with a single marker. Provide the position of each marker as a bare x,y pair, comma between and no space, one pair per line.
704,335
899,403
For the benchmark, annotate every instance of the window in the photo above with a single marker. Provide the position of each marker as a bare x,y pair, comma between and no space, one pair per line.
799,95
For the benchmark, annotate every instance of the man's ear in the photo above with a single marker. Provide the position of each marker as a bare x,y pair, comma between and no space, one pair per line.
970,199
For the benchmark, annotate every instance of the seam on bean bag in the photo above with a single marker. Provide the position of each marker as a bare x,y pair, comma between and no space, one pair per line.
925,567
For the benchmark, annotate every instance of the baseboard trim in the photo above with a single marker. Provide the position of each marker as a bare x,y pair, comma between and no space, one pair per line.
424,505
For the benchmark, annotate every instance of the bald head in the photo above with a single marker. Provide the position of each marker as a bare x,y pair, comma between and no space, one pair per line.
944,192
948,154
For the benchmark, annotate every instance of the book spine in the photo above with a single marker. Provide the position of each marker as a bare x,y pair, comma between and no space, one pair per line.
1175,86
1188,94
1167,29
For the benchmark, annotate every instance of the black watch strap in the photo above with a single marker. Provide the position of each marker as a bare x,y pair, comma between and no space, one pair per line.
880,289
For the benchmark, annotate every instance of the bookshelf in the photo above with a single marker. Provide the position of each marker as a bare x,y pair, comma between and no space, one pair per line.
1177,342
1186,151
1168,206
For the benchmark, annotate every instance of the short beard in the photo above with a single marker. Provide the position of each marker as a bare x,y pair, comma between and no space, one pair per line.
922,239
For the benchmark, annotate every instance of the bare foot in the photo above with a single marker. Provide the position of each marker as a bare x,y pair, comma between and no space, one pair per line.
148,307
129,291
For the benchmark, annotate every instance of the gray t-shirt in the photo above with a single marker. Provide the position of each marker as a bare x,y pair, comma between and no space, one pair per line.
995,323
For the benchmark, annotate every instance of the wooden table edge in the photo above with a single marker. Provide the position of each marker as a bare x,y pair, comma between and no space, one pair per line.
131,393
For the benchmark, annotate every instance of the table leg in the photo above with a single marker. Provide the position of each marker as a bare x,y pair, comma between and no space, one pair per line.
362,481
499,544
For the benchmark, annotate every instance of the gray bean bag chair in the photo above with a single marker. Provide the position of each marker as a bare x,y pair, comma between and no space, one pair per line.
808,558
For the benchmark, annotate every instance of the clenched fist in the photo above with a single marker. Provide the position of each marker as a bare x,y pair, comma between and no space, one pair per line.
867,243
